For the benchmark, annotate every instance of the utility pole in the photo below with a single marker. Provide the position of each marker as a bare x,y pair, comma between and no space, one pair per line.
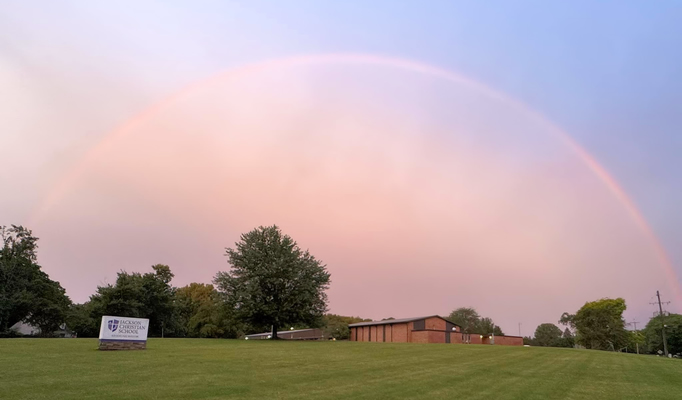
519,329
636,343
660,310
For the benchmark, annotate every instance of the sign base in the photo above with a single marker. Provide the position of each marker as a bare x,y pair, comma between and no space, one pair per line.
121,345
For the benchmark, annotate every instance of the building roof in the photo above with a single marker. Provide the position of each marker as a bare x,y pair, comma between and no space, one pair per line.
281,332
398,321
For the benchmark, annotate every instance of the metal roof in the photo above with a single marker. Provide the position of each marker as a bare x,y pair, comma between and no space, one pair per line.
398,321
280,332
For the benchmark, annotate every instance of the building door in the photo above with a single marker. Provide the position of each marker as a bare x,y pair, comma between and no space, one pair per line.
447,337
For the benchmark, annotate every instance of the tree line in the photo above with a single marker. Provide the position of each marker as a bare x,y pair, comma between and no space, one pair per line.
272,284
599,325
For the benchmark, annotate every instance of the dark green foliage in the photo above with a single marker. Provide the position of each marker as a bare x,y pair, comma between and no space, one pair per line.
336,326
547,335
471,322
487,326
80,320
202,314
142,296
567,320
467,318
635,339
567,339
272,282
673,332
26,292
51,305
600,325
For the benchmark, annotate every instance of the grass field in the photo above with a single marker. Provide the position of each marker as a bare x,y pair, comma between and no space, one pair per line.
230,369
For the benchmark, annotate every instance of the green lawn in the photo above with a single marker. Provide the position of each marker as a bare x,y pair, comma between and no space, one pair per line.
220,369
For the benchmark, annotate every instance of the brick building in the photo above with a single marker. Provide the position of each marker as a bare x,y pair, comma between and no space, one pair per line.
430,329
300,334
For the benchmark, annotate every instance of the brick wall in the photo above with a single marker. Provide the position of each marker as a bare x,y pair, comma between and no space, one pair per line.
420,337
435,323
400,332
434,333
509,340
436,337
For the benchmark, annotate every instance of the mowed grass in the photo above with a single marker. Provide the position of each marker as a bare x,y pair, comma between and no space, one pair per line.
231,369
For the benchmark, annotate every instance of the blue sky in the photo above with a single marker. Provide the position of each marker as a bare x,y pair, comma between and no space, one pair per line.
607,72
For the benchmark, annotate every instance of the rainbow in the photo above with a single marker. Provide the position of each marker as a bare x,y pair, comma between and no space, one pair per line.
68,180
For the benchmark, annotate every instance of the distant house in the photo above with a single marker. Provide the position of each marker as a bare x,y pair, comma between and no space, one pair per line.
429,329
299,334
26,329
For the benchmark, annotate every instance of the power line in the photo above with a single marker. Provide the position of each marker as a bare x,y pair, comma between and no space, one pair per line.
660,309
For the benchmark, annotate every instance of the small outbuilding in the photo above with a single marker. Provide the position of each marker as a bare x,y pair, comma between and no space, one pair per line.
298,334
429,329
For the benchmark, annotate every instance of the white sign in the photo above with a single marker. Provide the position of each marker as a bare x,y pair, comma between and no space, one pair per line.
123,328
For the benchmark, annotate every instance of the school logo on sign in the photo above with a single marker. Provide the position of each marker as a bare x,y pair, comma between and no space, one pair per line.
113,325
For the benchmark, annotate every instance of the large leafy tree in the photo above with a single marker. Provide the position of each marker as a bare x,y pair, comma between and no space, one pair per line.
600,324
26,292
467,318
673,333
138,295
547,335
272,282
471,322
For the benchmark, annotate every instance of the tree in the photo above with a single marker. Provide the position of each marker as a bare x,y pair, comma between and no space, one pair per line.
201,313
471,322
600,324
567,339
547,335
467,318
50,305
142,296
79,319
159,299
567,320
26,292
673,333
336,326
636,340
487,326
272,282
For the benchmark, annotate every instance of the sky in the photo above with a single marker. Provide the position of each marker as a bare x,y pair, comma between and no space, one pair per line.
516,157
